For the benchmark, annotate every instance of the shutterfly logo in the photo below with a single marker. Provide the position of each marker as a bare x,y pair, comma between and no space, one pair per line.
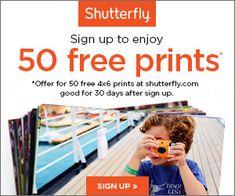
117,13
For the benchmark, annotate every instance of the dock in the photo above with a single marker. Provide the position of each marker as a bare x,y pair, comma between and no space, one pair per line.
206,151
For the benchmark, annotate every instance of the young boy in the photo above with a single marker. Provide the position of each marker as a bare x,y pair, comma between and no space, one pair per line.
173,174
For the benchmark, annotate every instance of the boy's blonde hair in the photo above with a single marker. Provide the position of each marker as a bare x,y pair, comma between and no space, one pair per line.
181,128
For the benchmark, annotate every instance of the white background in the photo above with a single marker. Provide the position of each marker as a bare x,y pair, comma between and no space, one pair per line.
185,26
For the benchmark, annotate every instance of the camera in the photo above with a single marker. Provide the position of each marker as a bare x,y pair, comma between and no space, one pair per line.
164,147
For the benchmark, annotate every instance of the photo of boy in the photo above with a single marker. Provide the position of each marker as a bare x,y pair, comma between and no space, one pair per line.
167,140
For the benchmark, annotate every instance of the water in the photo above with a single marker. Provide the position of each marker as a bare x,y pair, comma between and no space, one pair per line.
51,172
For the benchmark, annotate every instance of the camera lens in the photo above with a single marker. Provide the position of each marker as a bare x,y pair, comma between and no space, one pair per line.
161,150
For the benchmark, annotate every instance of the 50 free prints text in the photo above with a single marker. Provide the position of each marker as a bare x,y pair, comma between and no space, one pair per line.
79,62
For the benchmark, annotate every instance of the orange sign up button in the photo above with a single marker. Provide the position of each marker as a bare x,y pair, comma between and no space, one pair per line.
117,185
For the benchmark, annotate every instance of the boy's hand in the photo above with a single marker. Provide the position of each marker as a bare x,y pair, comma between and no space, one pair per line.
177,154
144,147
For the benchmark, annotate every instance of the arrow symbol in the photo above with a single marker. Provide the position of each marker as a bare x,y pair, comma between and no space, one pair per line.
135,186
